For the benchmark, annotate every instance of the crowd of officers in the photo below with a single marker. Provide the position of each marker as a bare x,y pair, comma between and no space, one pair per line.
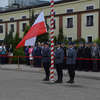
84,57
69,58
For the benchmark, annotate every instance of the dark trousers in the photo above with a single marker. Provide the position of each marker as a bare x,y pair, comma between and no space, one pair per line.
95,64
80,65
46,69
37,62
3,59
87,65
59,71
71,71
27,60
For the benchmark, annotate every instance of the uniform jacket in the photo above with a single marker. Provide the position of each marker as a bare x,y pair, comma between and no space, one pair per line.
26,51
95,52
81,52
71,56
46,55
87,51
59,56
37,51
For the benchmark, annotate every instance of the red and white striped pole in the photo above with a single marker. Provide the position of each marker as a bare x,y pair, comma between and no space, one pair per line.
52,40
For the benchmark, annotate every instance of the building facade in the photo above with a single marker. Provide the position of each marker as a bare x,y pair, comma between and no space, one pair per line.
24,3
76,18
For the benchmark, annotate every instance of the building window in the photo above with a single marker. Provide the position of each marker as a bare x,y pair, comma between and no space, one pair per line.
69,38
69,22
12,27
23,17
1,28
69,10
24,26
90,7
1,20
90,20
11,19
89,39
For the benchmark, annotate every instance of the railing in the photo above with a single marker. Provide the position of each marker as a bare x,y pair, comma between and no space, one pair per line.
4,59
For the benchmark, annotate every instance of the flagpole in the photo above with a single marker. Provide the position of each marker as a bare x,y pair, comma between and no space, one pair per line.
52,40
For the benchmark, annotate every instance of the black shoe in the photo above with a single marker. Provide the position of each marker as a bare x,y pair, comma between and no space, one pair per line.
58,81
45,79
70,81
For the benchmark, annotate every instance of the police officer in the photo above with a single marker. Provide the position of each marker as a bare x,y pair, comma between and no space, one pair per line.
64,61
87,63
59,58
95,54
46,60
80,54
71,61
37,52
27,54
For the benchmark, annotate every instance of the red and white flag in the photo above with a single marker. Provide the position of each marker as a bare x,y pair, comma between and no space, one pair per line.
30,42
38,28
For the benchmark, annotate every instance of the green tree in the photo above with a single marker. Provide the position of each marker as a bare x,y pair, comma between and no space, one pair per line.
55,39
79,40
97,41
26,29
60,36
8,38
19,51
16,40
43,38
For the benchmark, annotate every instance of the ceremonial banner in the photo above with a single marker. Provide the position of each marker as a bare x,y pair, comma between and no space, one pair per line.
38,28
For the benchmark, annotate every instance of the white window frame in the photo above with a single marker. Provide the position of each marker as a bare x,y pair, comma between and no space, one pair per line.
23,27
1,20
66,21
70,37
11,27
13,18
2,28
86,19
88,36
68,9
89,5
23,16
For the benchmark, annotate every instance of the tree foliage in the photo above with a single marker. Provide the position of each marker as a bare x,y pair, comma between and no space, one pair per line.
43,38
8,38
60,36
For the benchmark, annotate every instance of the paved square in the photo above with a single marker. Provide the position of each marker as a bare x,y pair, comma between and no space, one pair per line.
16,85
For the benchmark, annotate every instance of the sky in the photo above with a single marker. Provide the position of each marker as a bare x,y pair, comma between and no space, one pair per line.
4,3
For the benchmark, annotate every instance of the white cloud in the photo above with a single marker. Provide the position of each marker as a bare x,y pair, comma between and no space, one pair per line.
3,3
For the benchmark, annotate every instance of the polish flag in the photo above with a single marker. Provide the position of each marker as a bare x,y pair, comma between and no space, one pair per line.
30,42
38,28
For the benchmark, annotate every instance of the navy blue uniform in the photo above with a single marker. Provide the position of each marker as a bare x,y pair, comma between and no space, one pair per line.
71,61
46,61
37,60
59,58
27,54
